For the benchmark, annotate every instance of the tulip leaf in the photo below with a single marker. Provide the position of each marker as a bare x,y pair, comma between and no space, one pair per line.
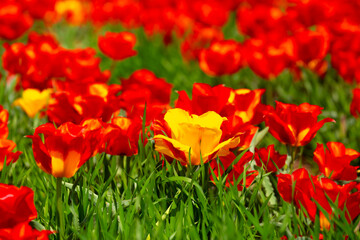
269,190
38,226
259,135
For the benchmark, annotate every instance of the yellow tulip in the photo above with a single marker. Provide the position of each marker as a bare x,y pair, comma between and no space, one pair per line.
193,137
32,100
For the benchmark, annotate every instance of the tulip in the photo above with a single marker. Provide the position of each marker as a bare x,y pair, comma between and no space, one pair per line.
269,159
33,100
294,125
64,150
193,139
17,210
6,148
334,162
118,46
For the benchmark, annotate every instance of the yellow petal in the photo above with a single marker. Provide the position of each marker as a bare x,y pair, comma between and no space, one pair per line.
32,100
174,117
162,147
208,120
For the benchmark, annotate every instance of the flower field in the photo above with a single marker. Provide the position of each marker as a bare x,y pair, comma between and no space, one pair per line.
188,119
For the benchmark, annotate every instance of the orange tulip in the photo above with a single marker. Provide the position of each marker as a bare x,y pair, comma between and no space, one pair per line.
64,150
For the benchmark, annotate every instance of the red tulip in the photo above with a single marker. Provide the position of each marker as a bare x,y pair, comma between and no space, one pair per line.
23,231
222,57
121,136
307,191
75,102
6,148
17,209
16,205
269,159
205,98
13,21
118,46
334,162
144,88
294,125
237,171
65,149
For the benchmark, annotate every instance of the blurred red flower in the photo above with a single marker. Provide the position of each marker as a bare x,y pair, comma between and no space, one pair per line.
334,162
13,20
75,102
118,46
292,124
311,48
261,21
62,151
201,37
34,61
355,103
268,59
4,116
210,12
222,57
42,59
269,159
144,88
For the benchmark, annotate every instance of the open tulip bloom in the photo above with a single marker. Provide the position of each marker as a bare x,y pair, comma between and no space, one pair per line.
294,125
193,138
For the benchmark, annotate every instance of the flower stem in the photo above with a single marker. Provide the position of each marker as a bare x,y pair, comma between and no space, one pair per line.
205,177
59,208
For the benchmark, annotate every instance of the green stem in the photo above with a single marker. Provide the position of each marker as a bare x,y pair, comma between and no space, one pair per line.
60,208
112,66
205,177
269,93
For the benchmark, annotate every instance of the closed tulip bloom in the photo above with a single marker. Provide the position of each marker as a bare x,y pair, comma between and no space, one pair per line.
334,162
193,137
65,149
292,124
13,21
118,46
222,57
33,100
